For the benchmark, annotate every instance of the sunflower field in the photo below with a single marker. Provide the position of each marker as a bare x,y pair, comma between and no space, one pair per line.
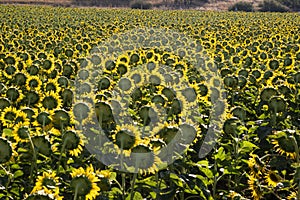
130,104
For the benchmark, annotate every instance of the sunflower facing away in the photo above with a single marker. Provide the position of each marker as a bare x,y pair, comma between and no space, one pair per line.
48,182
84,183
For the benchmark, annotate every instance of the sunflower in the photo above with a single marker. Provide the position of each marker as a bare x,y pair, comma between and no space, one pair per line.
31,98
82,112
48,182
73,141
14,94
52,85
284,144
144,160
167,131
51,101
105,83
22,132
62,118
33,83
126,137
6,150
84,183
125,85
8,116
122,68
255,164
272,178
110,66
9,71
137,76
254,186
44,119
106,177
31,113
155,78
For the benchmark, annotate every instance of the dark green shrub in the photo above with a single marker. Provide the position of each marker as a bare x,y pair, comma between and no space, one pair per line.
273,6
242,6
294,5
140,5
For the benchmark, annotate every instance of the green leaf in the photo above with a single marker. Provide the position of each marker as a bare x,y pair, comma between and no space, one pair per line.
202,163
15,166
7,132
221,154
207,172
246,147
18,173
22,150
113,176
136,196
176,179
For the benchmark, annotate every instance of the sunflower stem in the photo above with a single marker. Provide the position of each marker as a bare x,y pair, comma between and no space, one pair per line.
76,192
157,185
296,148
34,166
123,186
132,186
61,153
297,159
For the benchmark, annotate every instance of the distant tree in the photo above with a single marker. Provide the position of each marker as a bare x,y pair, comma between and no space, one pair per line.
294,5
273,6
242,6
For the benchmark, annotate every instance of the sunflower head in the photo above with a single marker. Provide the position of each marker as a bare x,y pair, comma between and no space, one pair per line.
144,159
48,181
73,142
272,178
284,144
84,182
5,150
22,132
51,101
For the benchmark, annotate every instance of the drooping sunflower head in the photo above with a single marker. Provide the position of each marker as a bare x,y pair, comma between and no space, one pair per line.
126,137
73,142
254,187
51,100
272,178
8,116
49,182
84,182
52,85
144,160
33,83
14,94
22,132
42,144
43,119
6,151
284,144
82,112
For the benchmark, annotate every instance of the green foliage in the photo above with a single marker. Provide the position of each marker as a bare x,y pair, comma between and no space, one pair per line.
242,6
139,4
294,5
273,6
